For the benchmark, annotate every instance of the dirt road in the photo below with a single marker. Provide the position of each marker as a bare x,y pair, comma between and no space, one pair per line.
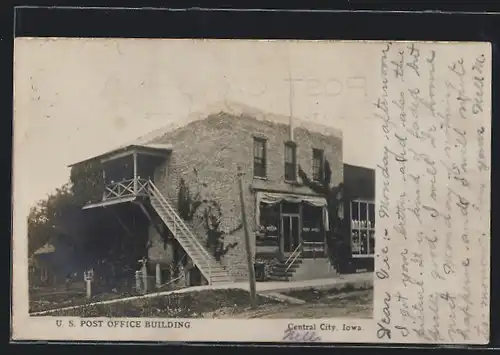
355,304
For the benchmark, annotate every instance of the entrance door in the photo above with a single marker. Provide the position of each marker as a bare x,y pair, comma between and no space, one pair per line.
290,232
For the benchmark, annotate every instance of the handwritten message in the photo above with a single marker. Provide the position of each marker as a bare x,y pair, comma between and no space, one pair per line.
433,185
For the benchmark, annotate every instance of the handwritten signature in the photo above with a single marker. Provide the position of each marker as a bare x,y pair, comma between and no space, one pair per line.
300,336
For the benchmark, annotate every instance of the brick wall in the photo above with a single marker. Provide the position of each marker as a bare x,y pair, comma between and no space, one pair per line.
206,155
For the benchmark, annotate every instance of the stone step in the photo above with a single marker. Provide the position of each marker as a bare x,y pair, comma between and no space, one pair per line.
297,262
279,278
284,266
315,268
282,273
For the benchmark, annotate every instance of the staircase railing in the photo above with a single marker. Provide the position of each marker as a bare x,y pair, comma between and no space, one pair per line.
296,253
178,224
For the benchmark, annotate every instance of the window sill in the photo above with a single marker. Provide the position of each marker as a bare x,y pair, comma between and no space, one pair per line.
260,178
292,182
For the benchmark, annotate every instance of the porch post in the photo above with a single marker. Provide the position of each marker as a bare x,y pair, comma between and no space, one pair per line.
135,173
144,275
300,227
158,275
281,236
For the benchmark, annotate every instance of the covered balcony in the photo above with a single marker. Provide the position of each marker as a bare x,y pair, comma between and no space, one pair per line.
127,171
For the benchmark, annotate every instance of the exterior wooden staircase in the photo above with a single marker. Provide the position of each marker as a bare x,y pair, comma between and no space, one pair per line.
213,271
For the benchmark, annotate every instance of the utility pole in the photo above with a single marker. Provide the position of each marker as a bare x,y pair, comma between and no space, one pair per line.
251,271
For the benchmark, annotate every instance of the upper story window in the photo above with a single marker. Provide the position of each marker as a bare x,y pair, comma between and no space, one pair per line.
290,161
259,157
318,164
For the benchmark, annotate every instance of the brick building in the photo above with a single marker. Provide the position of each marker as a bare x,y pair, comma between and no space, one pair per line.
287,220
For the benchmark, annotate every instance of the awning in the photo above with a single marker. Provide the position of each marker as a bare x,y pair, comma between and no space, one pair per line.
272,198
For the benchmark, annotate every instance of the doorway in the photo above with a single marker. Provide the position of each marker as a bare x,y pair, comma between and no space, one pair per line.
290,232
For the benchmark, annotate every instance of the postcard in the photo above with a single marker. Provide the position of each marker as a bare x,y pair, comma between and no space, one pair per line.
251,190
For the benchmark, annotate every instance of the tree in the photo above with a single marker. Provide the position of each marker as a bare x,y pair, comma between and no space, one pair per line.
335,196
51,217
87,182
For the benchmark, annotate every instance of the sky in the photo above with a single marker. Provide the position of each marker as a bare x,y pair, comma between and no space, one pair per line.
75,98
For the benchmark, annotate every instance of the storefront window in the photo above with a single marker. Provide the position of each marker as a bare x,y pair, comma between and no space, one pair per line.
312,226
268,229
362,228
287,223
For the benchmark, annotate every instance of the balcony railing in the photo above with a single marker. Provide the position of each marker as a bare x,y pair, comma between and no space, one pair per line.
125,188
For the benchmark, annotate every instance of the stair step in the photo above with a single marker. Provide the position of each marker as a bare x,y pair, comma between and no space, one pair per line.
217,274
287,265
298,260
279,278
219,277
213,268
279,270
281,275
284,267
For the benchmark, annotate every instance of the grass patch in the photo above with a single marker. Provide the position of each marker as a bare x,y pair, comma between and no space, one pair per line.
181,305
48,298
44,302
314,295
